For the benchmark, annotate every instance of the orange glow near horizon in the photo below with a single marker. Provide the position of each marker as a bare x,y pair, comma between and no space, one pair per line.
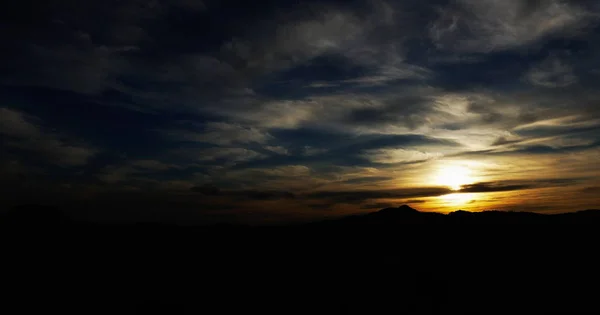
453,176
457,199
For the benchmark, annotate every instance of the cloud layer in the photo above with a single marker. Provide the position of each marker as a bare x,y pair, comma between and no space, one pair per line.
311,106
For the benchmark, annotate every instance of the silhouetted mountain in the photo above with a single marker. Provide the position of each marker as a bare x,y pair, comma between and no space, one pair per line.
383,262
37,215
407,215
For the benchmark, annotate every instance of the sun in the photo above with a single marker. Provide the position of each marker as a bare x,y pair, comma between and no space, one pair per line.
453,176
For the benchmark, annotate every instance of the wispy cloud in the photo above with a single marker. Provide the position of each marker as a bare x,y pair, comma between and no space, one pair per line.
220,133
552,73
485,26
322,101
23,133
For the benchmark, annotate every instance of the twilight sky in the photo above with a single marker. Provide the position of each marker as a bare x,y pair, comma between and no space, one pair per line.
275,111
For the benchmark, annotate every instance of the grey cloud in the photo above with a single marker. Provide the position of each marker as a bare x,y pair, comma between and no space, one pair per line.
504,141
81,57
17,124
367,180
483,26
24,134
88,71
512,185
241,195
133,170
408,110
591,190
225,156
332,196
383,74
152,165
220,133
529,150
121,58
402,156
552,73
415,201
294,41
492,187
378,205
191,4
357,196
355,151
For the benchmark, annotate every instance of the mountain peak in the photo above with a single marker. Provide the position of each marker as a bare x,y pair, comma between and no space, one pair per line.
461,212
407,208
404,209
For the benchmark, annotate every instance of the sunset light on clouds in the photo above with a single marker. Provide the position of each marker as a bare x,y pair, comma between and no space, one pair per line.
285,111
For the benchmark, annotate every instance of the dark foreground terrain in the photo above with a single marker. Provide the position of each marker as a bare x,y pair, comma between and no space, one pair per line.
394,261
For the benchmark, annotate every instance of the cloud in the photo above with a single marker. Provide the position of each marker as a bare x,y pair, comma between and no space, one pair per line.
354,150
358,196
591,190
220,133
139,170
377,205
485,26
552,73
504,141
415,201
368,180
197,5
392,156
408,110
22,133
225,156
277,149
152,165
399,141
330,197
512,185
241,195
384,75
492,187
79,57
318,99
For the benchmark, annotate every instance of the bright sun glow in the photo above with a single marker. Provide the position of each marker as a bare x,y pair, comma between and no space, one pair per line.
453,177
458,199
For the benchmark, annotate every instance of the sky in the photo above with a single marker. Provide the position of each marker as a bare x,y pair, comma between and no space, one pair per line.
287,111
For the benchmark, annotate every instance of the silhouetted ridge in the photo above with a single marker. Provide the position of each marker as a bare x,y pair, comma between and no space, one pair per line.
397,212
407,215
35,215
461,213
47,216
